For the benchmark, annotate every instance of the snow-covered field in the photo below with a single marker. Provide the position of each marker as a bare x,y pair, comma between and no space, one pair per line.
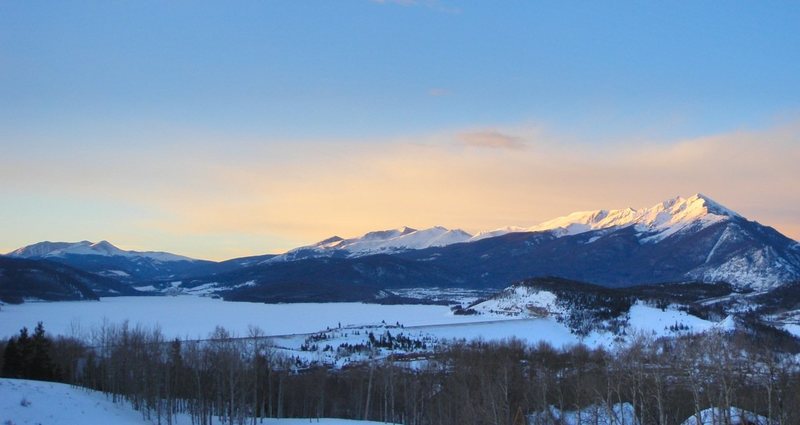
196,317
24,402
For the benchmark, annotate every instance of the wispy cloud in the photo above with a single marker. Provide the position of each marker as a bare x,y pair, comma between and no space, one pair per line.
491,139
437,92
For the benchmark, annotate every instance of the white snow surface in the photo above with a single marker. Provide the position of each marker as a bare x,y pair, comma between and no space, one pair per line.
733,416
618,414
792,328
728,324
24,402
528,330
657,322
102,248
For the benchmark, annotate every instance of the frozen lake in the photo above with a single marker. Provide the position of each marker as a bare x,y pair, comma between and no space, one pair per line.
194,317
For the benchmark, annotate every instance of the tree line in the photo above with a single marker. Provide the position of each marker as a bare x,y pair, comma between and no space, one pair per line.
243,379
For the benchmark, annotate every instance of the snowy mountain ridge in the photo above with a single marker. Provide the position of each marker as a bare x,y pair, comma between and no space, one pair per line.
49,249
378,242
661,220
681,239
657,222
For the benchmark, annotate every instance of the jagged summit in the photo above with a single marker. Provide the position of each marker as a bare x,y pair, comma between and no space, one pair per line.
662,219
388,234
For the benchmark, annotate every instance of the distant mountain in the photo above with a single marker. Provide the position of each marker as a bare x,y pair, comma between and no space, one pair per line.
103,258
681,239
102,248
685,241
22,279
678,240
378,242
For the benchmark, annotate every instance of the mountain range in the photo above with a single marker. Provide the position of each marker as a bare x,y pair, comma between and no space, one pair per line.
678,240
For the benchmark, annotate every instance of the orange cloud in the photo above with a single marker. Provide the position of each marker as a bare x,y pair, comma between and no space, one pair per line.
274,196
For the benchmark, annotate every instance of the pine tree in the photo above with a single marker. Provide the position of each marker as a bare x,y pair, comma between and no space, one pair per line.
29,357
12,360
41,366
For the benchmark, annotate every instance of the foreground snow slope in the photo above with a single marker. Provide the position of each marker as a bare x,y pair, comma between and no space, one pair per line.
25,402
36,402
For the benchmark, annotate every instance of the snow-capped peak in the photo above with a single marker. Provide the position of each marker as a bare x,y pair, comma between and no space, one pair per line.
106,248
402,239
662,219
381,235
102,248
486,234
378,242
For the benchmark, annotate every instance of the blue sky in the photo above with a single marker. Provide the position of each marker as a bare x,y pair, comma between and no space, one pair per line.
264,85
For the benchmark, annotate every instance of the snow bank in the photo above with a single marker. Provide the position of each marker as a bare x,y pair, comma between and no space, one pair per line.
618,414
734,416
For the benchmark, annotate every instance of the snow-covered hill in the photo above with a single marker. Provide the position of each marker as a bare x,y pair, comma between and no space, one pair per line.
521,301
588,309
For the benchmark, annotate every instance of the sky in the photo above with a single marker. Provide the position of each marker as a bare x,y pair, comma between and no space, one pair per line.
224,129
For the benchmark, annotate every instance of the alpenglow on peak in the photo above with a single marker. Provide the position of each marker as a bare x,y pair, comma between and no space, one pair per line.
663,219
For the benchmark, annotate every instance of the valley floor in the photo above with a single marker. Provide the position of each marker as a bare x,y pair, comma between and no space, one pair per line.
333,334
